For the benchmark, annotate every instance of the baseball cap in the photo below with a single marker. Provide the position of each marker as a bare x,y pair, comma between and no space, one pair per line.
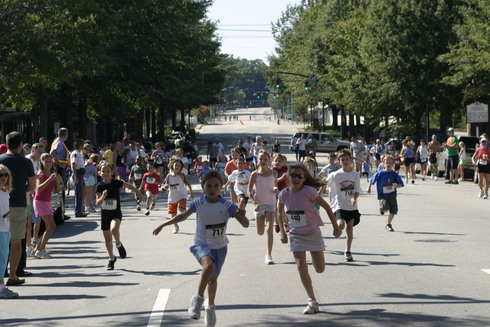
450,129
3,148
483,139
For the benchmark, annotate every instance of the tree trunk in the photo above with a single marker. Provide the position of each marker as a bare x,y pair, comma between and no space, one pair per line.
335,115
352,130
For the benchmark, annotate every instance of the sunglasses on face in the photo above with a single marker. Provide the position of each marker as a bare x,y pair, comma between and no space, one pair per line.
294,175
4,175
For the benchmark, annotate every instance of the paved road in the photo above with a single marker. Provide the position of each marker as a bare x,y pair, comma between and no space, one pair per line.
429,272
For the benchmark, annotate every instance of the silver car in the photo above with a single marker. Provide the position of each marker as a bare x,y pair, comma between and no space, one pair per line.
325,142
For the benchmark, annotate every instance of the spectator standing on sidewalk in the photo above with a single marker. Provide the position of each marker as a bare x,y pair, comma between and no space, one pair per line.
61,156
451,146
78,170
23,181
434,147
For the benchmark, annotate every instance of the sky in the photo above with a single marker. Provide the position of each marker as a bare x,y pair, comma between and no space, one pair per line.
244,26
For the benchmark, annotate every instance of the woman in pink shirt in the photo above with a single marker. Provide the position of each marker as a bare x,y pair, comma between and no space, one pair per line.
47,181
304,223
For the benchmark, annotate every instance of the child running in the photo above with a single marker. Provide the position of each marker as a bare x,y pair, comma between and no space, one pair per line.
108,197
264,180
240,177
136,177
304,223
387,181
175,183
150,182
210,242
5,188
345,187
47,182
366,168
279,165
198,167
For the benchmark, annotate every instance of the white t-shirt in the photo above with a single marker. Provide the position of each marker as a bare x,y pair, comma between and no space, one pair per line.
343,186
77,158
35,164
133,154
240,177
4,212
220,148
211,221
248,146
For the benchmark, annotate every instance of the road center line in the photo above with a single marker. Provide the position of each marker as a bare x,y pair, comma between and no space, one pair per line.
159,308
486,270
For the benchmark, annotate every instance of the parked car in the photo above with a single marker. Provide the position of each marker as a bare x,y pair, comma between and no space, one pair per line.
325,142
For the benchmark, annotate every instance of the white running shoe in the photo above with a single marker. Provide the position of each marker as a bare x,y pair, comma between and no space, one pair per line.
480,195
312,307
210,317
460,179
435,178
431,176
176,230
269,260
30,252
42,254
196,306
147,212
485,196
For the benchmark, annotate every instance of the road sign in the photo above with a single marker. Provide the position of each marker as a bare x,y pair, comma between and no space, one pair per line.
477,113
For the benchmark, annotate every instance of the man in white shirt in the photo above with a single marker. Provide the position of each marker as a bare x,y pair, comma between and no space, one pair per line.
219,146
37,150
78,170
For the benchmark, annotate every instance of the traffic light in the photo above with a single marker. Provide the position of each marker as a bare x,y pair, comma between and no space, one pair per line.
275,96
259,95
278,83
307,87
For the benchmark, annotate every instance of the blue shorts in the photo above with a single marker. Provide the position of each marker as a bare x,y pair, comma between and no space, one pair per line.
452,162
218,256
4,250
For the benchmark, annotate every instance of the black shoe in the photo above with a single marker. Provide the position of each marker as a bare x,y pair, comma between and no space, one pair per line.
25,274
122,251
389,228
448,182
348,256
381,212
110,265
80,215
455,182
66,217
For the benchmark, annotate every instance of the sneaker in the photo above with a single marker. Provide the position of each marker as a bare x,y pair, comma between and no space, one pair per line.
481,194
41,254
176,230
195,308
138,207
423,179
277,228
122,251
455,182
389,228
431,176
448,182
413,181
147,212
311,307
435,178
8,294
110,265
269,260
152,206
485,196
381,211
286,228
30,252
210,317
460,179
348,256
34,242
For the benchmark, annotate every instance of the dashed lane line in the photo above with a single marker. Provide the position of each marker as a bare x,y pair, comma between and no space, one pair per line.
159,308
486,270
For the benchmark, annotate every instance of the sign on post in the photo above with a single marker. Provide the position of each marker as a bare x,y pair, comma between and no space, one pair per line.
477,113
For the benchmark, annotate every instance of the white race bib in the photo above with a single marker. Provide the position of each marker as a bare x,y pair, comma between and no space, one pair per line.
216,234
347,193
296,219
109,204
150,180
174,187
482,161
159,161
138,176
388,189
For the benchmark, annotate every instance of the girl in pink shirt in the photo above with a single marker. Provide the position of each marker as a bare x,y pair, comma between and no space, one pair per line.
304,223
47,181
264,179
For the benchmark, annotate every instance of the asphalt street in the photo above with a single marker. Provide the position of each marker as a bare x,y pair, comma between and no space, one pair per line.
432,271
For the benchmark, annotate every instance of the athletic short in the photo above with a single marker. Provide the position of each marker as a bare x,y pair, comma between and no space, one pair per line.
42,208
105,223
462,161
302,153
389,204
312,241
452,162
483,169
433,159
377,156
218,256
348,215
18,223
243,196
409,161
181,204
34,219
263,208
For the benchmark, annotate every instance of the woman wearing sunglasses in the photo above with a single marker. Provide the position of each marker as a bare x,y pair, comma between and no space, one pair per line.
304,223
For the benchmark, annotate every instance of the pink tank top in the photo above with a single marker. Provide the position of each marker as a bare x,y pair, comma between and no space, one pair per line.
45,195
264,189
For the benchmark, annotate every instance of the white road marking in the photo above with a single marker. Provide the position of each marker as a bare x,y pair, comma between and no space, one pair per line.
486,270
159,308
